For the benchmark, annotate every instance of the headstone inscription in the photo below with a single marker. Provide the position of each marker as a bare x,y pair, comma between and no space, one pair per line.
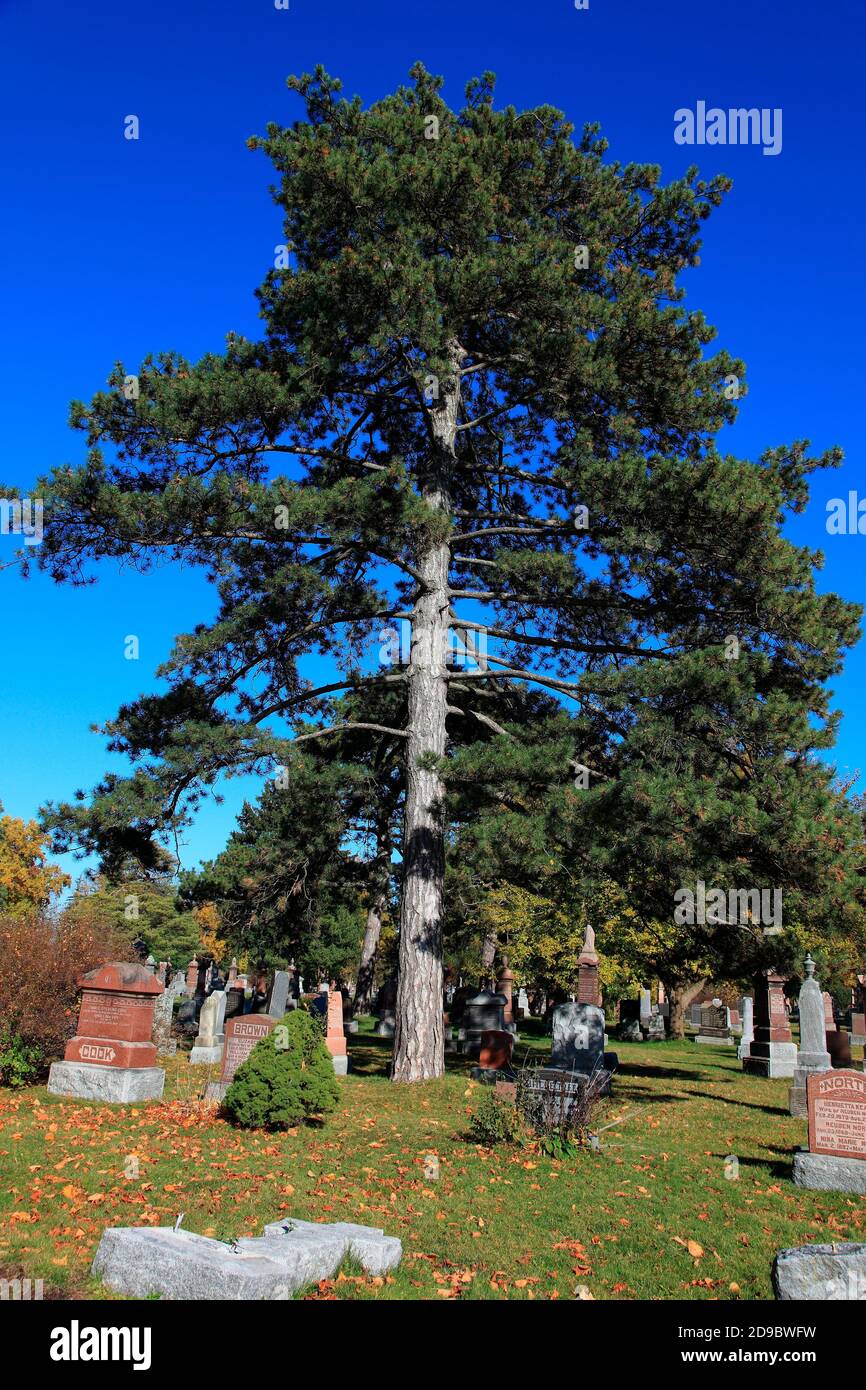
241,1035
715,1025
836,1158
813,1055
112,1057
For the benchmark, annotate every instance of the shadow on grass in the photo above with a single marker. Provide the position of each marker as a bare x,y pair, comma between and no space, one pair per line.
777,1167
636,1069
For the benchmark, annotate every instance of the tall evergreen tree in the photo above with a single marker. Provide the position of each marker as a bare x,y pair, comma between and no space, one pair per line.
477,365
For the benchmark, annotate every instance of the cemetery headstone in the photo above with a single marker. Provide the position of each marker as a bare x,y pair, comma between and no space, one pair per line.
494,1057
747,1008
241,1035
771,1052
482,1013
836,1157
505,986
335,1037
192,976
813,1055
715,1025
588,991
278,1000
578,1028
858,1029
163,1015
829,1014
523,1002
112,1057
208,1046
839,1048
386,1009
645,1007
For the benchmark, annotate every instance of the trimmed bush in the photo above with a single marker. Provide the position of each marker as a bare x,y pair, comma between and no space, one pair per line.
496,1121
288,1077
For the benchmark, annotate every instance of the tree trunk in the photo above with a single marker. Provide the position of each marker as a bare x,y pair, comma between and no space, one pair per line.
680,996
363,1000
419,1036
488,958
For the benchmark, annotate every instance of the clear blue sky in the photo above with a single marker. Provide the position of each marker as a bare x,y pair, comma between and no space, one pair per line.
111,248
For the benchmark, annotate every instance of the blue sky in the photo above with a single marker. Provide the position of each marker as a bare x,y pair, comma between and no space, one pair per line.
111,248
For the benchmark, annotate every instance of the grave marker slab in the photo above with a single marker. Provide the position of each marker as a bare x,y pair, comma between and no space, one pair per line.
836,1159
112,1056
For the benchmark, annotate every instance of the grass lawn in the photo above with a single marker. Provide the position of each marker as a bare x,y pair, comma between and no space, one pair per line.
651,1217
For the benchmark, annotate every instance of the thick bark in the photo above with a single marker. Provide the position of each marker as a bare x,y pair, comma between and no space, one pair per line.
680,996
419,1036
488,957
363,1000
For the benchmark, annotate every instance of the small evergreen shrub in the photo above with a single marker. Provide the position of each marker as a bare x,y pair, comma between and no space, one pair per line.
496,1121
20,1061
287,1077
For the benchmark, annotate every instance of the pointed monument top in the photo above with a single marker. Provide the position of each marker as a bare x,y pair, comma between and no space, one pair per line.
588,954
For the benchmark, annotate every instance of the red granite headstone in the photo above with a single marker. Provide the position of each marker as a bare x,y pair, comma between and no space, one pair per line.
837,1113
505,987
829,1020
115,1022
496,1050
335,1038
587,971
242,1034
839,1048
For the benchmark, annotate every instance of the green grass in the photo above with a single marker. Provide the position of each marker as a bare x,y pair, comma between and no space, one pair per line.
504,1223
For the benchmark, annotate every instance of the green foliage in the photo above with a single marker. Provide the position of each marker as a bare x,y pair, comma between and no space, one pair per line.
21,1062
495,1121
288,1077
508,261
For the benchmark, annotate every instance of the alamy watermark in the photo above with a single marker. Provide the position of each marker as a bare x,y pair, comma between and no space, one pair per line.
738,125
732,907
463,648
21,516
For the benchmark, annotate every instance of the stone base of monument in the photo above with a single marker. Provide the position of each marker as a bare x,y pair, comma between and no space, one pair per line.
743,1049
781,1061
203,1055
821,1272
140,1261
797,1101
718,1040
116,1085
827,1173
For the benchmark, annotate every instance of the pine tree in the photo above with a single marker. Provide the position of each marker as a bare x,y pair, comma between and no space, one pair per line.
477,367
